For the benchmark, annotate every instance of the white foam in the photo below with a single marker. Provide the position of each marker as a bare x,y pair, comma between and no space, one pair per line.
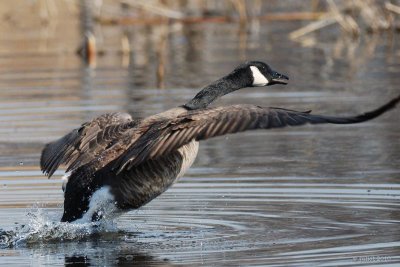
102,202
44,226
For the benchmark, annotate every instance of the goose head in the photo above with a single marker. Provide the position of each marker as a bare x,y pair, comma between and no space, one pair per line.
248,74
263,75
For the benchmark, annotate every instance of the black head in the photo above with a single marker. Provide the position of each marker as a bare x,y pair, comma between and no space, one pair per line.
261,74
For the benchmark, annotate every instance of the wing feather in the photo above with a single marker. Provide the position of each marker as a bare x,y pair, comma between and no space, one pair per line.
83,144
171,134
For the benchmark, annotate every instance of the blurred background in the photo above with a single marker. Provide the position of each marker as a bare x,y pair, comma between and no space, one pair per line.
107,52
296,196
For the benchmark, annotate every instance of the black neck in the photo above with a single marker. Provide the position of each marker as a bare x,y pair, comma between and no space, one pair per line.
235,80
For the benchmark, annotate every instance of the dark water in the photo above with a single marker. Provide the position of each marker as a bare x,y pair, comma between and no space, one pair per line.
313,195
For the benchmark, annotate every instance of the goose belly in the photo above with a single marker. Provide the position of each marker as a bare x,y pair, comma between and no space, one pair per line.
138,186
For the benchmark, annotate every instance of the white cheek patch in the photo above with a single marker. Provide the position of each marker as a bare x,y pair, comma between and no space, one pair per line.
259,78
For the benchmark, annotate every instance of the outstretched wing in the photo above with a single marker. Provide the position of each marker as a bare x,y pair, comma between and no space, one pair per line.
83,144
162,138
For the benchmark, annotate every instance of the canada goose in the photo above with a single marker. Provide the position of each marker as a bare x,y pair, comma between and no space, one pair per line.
117,163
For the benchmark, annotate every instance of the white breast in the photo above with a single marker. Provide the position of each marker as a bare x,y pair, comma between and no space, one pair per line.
189,154
65,179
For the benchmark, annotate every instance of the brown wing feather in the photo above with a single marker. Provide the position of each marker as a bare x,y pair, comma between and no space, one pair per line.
85,143
202,124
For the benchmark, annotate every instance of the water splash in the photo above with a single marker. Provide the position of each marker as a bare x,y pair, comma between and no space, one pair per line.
41,228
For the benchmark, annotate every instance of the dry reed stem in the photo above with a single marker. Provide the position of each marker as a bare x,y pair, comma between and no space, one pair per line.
373,14
347,22
313,26
241,8
389,6
157,9
290,16
88,50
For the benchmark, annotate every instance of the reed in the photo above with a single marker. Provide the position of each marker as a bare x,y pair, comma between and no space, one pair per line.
355,17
